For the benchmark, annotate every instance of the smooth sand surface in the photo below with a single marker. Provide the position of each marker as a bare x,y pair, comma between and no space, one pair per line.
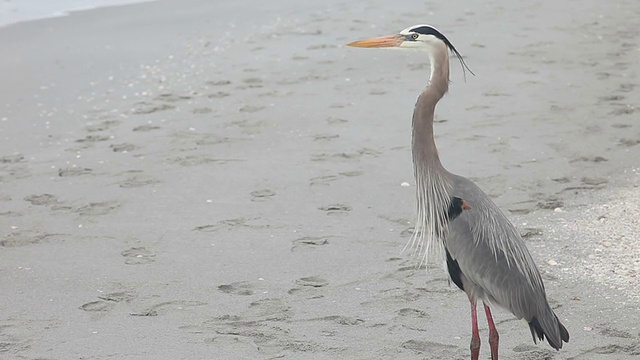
222,180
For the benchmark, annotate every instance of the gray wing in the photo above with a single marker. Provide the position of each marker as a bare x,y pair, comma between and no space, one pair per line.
496,263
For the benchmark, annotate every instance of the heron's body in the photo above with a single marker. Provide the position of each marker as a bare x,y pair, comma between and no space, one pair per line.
485,255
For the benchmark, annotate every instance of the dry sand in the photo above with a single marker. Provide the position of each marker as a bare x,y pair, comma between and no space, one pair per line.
222,180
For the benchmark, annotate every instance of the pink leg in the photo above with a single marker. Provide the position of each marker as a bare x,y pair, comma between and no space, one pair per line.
475,335
493,334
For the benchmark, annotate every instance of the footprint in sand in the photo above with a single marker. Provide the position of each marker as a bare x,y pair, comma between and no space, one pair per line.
165,104
44,199
327,179
107,301
269,310
309,243
244,288
527,351
90,139
630,349
74,171
413,319
629,142
251,83
336,209
251,108
408,232
309,286
171,98
345,156
27,237
550,203
202,110
145,128
437,350
231,224
11,214
105,125
149,108
138,256
595,159
623,110
262,195
257,334
528,233
414,313
122,148
593,181
312,281
626,87
377,92
218,82
15,172
611,98
325,137
137,181
620,126
12,339
98,208
334,121
11,159
193,160
248,126
118,296
190,137
97,306
612,332
219,94
168,306
340,320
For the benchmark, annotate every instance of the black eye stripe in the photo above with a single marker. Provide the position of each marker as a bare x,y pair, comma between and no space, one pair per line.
428,30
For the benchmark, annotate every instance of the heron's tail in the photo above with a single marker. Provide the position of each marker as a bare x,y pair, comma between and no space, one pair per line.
550,327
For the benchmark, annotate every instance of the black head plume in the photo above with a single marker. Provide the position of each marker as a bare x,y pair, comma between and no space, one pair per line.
428,30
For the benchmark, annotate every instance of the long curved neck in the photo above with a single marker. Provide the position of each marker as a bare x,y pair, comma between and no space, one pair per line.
434,185
425,153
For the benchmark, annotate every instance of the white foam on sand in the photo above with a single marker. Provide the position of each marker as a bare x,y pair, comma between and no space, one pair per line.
602,234
15,11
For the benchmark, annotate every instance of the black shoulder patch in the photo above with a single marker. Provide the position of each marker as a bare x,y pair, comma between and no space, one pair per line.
455,208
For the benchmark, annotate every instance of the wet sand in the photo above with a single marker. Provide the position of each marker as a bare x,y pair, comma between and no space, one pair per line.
190,180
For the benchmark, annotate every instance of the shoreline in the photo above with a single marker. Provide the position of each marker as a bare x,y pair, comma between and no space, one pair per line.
25,12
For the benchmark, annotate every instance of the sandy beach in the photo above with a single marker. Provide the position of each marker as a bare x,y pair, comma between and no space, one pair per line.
224,180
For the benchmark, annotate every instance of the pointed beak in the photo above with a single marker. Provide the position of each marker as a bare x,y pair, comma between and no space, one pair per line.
465,205
379,42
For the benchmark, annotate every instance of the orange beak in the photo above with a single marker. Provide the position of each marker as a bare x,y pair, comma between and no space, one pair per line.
378,42
465,205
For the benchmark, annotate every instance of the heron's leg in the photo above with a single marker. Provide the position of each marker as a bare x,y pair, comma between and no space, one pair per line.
493,333
475,335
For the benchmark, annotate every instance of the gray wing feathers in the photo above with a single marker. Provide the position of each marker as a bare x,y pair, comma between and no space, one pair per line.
490,228
495,261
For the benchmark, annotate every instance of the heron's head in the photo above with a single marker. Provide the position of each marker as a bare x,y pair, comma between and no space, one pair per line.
417,37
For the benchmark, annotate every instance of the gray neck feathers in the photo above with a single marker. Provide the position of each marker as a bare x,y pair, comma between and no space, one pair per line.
433,183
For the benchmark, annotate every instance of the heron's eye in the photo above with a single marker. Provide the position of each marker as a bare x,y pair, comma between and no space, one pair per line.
414,36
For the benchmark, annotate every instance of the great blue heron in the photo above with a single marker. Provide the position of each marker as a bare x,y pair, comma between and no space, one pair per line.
485,255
